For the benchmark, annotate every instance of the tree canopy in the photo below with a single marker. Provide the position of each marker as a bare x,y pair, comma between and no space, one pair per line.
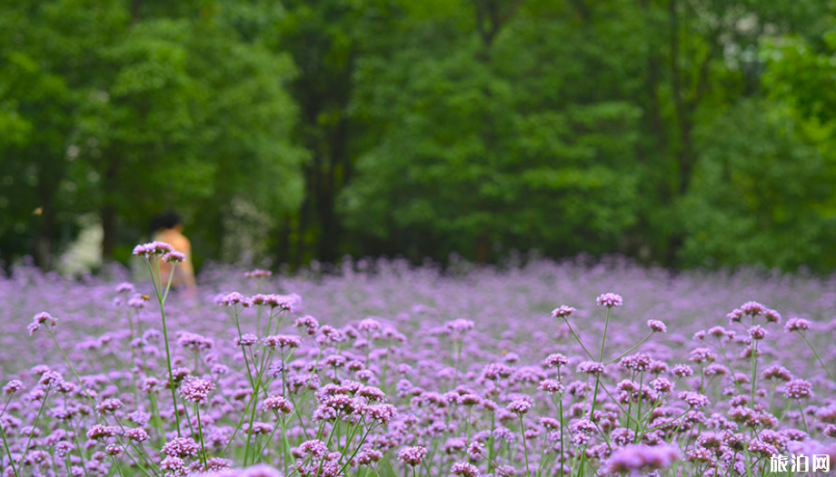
680,132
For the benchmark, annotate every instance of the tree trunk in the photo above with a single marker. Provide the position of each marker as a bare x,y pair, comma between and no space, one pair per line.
108,232
483,248
45,237
109,213
48,181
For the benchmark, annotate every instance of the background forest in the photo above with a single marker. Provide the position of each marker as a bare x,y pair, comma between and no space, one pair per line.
679,132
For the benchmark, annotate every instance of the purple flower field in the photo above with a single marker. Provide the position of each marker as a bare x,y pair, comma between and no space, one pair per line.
384,370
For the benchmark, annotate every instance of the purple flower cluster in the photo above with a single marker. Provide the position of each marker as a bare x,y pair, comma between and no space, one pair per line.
635,458
413,371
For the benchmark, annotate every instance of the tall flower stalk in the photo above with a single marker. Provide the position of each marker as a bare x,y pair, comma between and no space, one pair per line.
155,253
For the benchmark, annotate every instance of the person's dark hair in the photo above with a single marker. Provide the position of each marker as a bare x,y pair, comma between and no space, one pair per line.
167,220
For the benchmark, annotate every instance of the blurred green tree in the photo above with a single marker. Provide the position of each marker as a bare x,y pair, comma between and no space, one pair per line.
308,130
146,108
485,145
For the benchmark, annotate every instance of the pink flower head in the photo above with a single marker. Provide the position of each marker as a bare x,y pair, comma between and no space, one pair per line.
99,431
124,287
657,326
702,355
291,303
369,326
181,447
282,341
137,434
464,469
757,332
640,458
247,339
609,300
772,316
174,257
152,248
114,450
234,298
555,360
777,372
258,273
278,403
174,465
682,371
412,455
797,324
382,413
195,342
259,470
109,406
798,389
45,318
693,399
196,390
308,322
591,367
563,311
550,386
315,448
520,406
735,316
12,387
753,308
459,325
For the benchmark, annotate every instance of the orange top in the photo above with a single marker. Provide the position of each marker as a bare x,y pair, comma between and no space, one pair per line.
183,272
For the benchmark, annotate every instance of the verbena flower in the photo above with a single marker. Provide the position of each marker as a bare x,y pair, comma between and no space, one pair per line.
609,300
798,389
152,249
641,458
196,390
181,447
797,324
657,326
563,311
412,456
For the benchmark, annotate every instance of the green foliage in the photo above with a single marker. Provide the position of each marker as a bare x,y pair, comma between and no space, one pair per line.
480,151
134,114
767,210
686,133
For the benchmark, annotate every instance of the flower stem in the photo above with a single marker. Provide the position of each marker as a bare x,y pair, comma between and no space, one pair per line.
816,354
161,300
635,346
525,446
34,425
200,435
8,451
803,418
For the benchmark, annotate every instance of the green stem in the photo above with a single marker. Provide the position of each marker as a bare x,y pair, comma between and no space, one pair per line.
200,435
188,418
155,410
816,354
630,350
8,451
578,338
34,425
359,446
78,446
161,300
525,446
240,421
491,443
728,365
803,418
